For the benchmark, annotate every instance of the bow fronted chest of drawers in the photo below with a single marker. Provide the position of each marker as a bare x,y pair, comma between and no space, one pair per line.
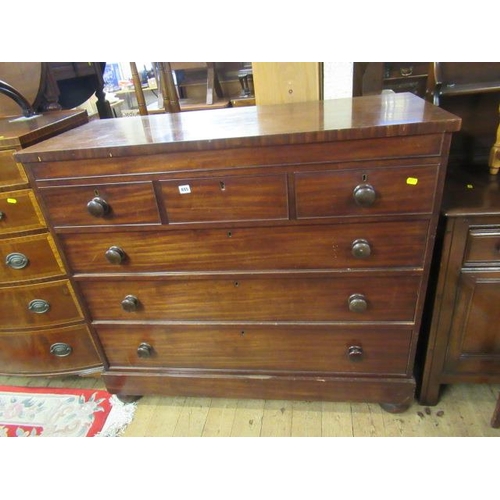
43,330
263,252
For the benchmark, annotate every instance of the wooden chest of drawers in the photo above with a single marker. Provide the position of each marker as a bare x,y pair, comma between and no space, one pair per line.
43,330
269,252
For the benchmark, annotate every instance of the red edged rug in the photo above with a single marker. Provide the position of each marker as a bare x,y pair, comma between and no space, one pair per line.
58,412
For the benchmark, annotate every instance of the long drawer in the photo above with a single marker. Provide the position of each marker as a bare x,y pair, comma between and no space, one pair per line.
64,349
256,347
40,305
28,258
365,192
385,244
255,298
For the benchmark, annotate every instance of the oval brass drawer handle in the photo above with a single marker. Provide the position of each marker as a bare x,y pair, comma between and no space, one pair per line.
98,207
355,353
361,249
60,349
357,303
145,350
16,260
39,306
364,195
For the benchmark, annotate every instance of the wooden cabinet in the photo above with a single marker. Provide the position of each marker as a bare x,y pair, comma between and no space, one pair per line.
464,338
270,252
42,325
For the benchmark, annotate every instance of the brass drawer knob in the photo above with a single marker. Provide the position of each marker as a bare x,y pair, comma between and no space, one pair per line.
98,207
357,303
364,195
16,260
60,349
361,249
130,303
145,350
355,353
38,306
115,255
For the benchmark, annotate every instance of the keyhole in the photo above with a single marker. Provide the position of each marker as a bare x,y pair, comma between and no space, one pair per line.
222,185
229,234
96,192
364,177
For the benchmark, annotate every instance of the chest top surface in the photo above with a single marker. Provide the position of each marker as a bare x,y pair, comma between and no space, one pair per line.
383,115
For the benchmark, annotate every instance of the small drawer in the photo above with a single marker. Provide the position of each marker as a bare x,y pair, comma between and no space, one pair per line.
277,298
97,205
310,348
41,305
338,246
365,192
483,247
29,258
227,198
19,211
11,173
62,350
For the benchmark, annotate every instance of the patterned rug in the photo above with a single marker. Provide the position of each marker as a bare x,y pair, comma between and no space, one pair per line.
57,412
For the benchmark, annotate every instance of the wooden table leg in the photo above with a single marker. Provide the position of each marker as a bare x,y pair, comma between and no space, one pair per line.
495,420
494,160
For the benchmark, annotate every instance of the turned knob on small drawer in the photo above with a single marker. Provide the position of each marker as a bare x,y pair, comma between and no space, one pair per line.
361,249
115,255
60,349
355,353
364,195
16,260
130,303
357,303
144,350
98,207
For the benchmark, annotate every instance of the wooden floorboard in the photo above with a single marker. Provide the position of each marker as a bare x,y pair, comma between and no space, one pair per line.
465,410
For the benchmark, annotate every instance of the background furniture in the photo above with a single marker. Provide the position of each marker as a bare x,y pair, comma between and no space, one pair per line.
276,253
464,338
42,327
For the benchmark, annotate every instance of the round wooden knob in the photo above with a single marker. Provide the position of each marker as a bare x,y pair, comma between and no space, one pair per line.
38,306
98,207
60,349
364,195
357,303
361,249
144,350
130,303
355,353
16,260
115,255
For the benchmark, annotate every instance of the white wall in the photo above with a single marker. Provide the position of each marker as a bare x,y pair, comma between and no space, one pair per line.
337,79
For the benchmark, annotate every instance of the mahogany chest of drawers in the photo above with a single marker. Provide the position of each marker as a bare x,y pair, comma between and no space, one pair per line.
274,252
43,330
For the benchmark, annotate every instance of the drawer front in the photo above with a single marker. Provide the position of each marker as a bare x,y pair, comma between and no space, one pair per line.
19,211
377,191
385,244
38,305
256,347
96,205
28,258
483,247
381,298
57,350
227,198
11,172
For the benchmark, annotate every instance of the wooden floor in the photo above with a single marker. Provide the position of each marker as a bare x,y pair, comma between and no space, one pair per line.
464,410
